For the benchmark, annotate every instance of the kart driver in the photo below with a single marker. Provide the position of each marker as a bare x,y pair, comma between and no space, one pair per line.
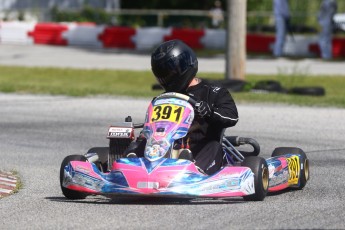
175,65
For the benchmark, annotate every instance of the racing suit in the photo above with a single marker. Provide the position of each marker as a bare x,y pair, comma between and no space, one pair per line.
205,133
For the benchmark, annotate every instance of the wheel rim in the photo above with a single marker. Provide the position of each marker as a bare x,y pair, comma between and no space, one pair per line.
265,178
306,169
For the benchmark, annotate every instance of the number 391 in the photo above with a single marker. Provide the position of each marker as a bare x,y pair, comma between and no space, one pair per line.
166,112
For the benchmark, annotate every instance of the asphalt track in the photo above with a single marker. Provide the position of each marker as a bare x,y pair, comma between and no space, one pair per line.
37,132
49,56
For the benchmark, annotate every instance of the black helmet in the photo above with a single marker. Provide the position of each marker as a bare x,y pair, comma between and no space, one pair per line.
174,64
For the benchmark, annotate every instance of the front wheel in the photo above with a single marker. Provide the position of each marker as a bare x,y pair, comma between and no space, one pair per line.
68,193
303,160
259,167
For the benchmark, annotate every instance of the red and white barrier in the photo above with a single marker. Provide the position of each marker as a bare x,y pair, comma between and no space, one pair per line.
191,37
214,39
83,35
260,43
298,45
117,37
15,33
101,36
49,34
148,38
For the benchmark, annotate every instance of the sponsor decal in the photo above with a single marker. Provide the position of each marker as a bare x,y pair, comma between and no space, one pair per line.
277,174
217,186
215,89
119,132
171,101
152,185
221,186
278,178
294,169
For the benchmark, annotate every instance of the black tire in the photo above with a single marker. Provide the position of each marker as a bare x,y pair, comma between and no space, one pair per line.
117,148
261,177
311,91
103,155
269,86
304,163
68,193
233,85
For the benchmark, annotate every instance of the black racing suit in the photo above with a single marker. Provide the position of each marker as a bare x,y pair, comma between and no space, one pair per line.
205,133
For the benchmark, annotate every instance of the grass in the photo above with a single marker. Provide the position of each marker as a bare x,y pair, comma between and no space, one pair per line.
77,82
19,184
74,82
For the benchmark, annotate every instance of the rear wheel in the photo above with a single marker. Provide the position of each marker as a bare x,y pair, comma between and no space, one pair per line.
304,163
68,193
259,167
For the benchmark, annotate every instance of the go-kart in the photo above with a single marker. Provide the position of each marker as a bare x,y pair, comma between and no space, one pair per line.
161,173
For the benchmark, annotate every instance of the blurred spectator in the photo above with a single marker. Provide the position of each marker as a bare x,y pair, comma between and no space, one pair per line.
282,21
327,11
216,14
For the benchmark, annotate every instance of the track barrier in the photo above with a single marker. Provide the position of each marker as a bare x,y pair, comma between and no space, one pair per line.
146,38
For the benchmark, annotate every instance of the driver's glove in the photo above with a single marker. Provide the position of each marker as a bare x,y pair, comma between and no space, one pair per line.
203,109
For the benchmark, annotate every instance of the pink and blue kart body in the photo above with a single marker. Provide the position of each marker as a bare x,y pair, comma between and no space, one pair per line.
172,177
160,173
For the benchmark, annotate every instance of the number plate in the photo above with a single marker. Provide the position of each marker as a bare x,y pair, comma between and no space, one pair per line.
294,169
169,112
